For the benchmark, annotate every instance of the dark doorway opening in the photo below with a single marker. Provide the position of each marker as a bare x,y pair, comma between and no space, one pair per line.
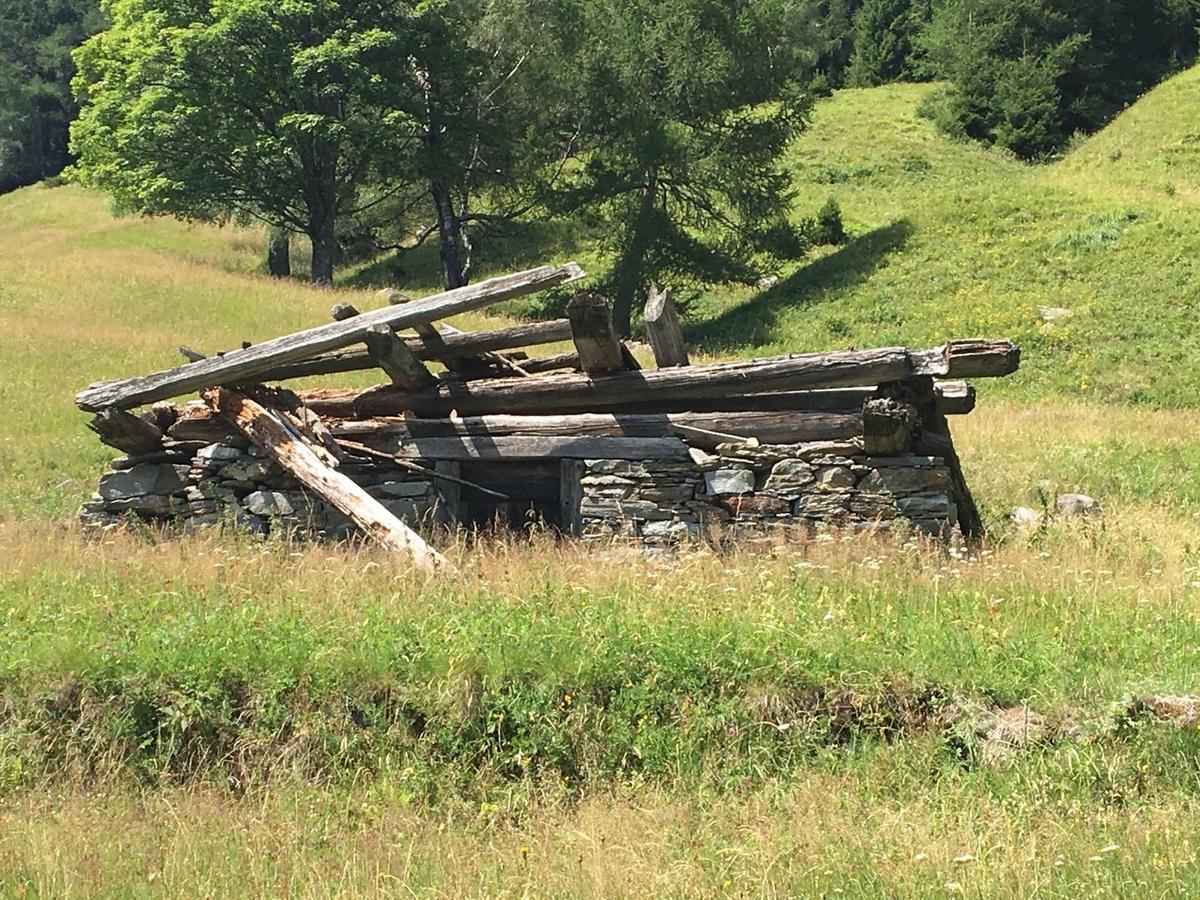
534,489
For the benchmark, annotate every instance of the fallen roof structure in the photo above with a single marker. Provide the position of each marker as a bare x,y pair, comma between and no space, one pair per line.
583,439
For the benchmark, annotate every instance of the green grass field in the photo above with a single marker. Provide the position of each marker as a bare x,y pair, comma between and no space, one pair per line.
217,716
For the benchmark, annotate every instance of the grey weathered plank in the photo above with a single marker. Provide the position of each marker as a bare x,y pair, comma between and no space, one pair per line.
581,393
393,356
594,336
768,427
267,429
662,327
453,345
515,447
240,366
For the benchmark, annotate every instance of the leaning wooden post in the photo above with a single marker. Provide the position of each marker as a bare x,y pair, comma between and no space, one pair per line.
396,359
285,446
594,336
662,326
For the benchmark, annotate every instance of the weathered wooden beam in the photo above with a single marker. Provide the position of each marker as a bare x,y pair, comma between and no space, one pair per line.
569,360
340,312
265,428
519,446
570,495
594,336
126,432
662,327
582,393
393,356
953,398
766,427
241,366
453,345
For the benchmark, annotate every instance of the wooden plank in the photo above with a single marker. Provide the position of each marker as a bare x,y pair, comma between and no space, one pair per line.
662,327
393,356
126,432
715,382
268,430
786,427
524,447
594,336
340,312
468,344
569,360
240,366
570,492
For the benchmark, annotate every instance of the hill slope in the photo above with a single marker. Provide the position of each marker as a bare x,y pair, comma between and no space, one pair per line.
953,240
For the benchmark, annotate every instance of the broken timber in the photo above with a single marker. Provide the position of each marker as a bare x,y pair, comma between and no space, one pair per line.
267,429
240,366
662,327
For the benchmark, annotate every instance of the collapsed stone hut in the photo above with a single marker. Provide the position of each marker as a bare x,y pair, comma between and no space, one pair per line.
585,441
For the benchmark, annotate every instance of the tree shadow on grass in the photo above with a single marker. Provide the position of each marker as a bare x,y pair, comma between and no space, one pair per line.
756,322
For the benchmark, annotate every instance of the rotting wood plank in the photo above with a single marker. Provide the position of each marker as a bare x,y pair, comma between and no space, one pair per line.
662,327
454,345
523,447
127,432
766,427
270,431
393,356
595,338
583,393
240,366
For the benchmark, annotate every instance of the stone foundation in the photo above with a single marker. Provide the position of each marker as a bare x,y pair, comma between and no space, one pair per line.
740,489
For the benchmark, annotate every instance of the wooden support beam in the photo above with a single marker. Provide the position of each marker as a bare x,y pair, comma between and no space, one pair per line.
340,312
270,431
522,447
716,382
662,327
787,427
393,356
241,366
452,345
449,492
570,493
594,336
127,432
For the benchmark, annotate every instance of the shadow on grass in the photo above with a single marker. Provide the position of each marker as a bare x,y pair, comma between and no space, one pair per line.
756,322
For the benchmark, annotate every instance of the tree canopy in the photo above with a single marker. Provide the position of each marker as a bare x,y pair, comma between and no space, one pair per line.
276,110
36,105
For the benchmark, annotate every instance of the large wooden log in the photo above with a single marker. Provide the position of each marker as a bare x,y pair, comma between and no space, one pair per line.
594,336
581,393
767,427
453,345
527,447
268,430
241,366
662,327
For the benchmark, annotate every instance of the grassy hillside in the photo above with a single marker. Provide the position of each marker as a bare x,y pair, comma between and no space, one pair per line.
1152,151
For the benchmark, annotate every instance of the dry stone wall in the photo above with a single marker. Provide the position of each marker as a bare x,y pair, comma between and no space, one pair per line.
740,489
760,488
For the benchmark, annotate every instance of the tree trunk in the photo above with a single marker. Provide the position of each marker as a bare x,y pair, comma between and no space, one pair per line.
630,275
450,238
279,261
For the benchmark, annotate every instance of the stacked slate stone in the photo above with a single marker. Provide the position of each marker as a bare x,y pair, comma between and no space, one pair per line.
234,484
763,488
